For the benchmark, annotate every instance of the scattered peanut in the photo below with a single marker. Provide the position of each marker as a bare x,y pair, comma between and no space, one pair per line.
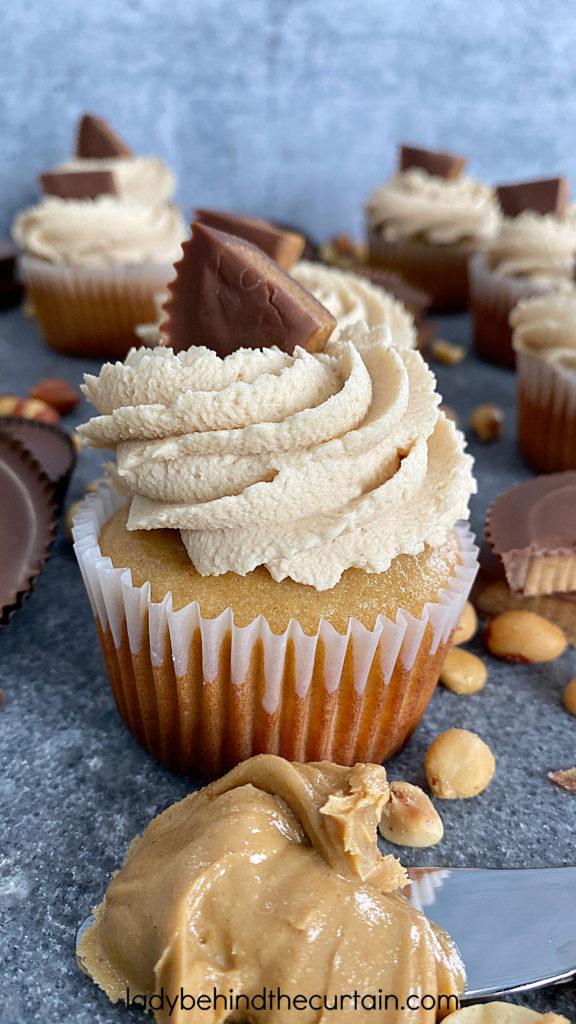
410,818
502,1013
450,414
564,777
523,637
36,409
569,697
458,764
7,404
463,672
487,422
448,353
70,513
467,625
57,393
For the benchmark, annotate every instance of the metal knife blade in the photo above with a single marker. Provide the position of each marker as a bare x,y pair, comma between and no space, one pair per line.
515,928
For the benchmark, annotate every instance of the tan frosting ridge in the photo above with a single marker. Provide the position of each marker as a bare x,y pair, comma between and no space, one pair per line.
309,464
545,326
101,231
269,878
415,204
146,179
538,246
351,298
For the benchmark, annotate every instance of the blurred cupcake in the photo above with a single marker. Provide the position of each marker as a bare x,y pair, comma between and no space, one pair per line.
281,568
533,251
93,264
427,221
147,179
544,340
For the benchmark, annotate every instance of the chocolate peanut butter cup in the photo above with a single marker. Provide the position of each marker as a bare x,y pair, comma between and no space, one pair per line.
281,245
51,447
27,524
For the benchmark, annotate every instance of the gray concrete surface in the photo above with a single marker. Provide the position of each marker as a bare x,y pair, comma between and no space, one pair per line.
75,787
291,108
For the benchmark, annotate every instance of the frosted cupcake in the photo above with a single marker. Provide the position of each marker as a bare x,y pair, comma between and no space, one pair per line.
544,340
427,221
280,569
93,266
533,252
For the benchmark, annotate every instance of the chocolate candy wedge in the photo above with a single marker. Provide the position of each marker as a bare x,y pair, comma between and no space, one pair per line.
97,141
228,295
27,524
547,195
284,247
50,446
435,162
78,184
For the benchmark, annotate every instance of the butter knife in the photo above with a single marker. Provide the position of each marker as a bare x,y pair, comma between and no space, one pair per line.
515,928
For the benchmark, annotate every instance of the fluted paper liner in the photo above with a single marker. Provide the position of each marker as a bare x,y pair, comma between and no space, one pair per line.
439,269
546,414
93,310
492,299
202,694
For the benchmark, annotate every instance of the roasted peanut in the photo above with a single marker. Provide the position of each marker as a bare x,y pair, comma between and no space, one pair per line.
523,637
56,392
410,818
458,765
447,352
564,777
569,697
463,672
467,625
35,409
7,404
487,422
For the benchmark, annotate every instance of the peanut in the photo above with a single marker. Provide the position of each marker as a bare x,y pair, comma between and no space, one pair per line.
410,818
467,625
448,353
487,422
458,765
463,672
523,637
569,697
56,392
36,409
7,404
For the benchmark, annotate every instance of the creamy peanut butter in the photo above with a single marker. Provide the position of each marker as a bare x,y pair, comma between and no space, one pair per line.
268,879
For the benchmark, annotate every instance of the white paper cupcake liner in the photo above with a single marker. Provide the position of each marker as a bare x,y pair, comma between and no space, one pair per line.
93,310
370,686
546,414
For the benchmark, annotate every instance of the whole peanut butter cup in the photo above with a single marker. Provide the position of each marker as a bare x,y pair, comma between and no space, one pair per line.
50,446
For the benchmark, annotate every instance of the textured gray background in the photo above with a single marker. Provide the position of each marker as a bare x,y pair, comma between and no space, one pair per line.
289,107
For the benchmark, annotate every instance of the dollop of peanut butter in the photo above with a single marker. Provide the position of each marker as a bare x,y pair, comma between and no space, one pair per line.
269,879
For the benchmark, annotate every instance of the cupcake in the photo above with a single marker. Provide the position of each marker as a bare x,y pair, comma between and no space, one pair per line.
279,567
93,265
533,252
427,221
544,340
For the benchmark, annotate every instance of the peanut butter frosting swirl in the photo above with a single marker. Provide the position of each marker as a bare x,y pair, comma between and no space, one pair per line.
351,298
545,326
308,463
415,204
270,878
106,230
146,179
533,245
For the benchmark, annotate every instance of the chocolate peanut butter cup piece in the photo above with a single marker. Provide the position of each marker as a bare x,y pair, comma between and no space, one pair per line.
51,447
228,295
435,162
78,184
284,247
532,531
27,524
546,195
96,140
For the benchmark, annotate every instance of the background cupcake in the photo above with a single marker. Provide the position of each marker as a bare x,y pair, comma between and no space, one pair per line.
261,582
533,251
427,221
544,340
93,262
